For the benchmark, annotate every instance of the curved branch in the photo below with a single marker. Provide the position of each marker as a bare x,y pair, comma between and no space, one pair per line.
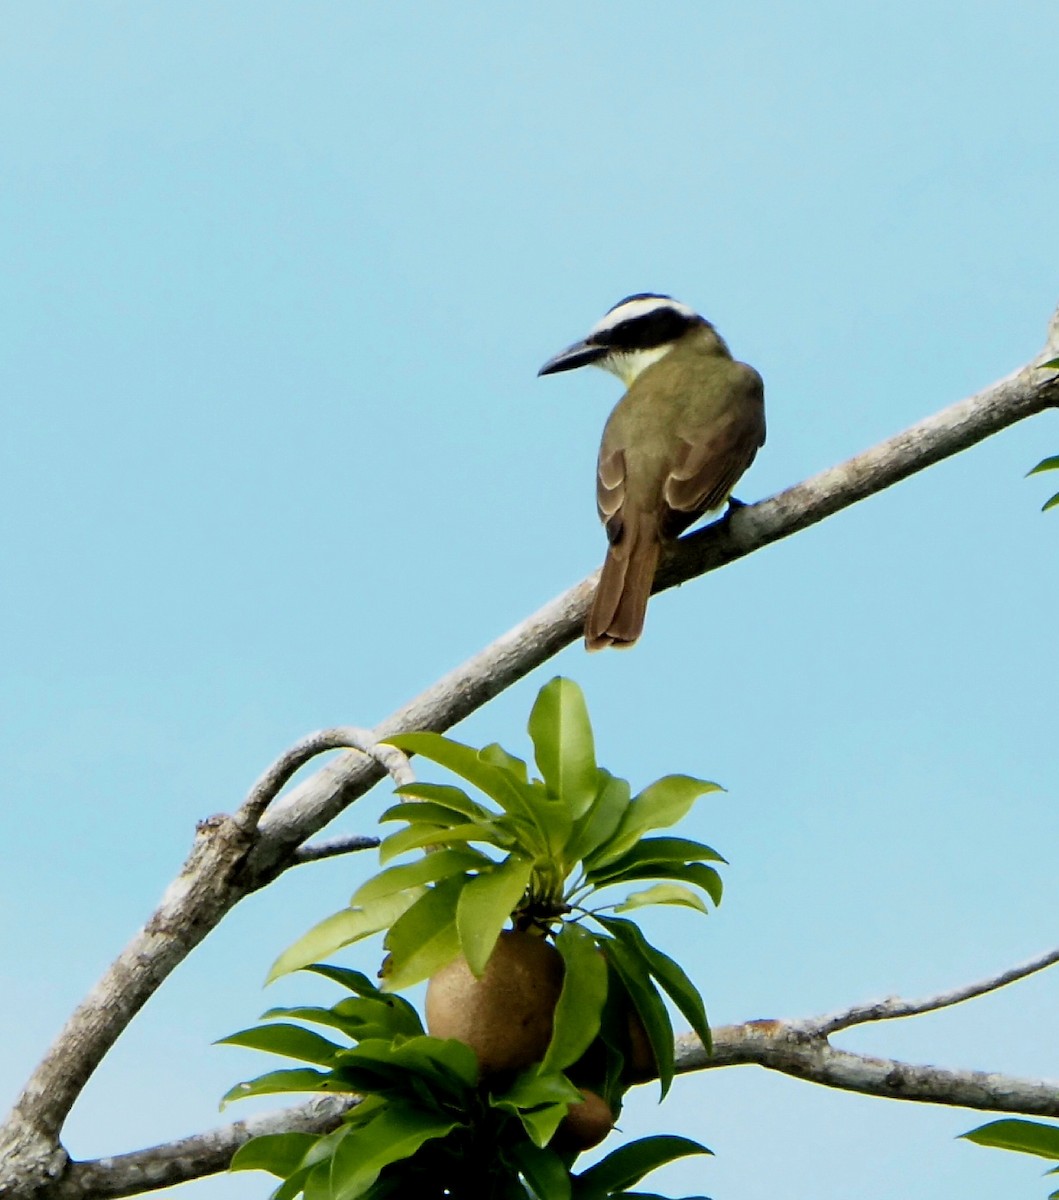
233,857
345,737
211,881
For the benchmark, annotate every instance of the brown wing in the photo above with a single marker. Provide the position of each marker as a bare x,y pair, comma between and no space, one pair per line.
704,474
610,491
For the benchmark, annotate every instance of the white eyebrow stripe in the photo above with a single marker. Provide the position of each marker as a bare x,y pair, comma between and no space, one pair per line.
633,309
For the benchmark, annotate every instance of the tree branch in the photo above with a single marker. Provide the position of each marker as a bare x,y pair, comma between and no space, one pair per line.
782,1046
893,1007
233,856
211,881
332,847
192,1157
793,1047
801,1048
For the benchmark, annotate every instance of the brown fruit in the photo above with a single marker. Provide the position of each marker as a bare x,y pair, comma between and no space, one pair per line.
640,1066
506,1016
585,1125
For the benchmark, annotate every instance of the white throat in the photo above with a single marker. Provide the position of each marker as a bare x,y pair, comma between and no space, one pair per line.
628,365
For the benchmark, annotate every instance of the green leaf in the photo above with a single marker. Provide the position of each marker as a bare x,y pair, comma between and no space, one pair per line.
385,1016
1052,364
495,782
278,1153
449,796
601,821
428,869
634,973
424,938
539,1101
1027,1137
302,1079
485,905
1049,504
289,1040
444,1065
658,850
684,994
697,873
496,754
1046,464
317,1184
342,929
292,1185
580,1007
630,1163
544,1170
396,1132
662,893
355,981
532,1089
414,837
552,815
424,812
661,804
388,1017
320,1152
541,1123
563,744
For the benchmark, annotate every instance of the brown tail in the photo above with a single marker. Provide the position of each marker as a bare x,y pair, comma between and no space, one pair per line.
617,614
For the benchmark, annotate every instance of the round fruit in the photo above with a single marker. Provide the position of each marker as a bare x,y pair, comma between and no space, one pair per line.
506,1016
585,1125
640,1065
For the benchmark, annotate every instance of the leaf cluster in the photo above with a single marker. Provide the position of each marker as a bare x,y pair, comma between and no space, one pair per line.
424,1125
538,853
535,854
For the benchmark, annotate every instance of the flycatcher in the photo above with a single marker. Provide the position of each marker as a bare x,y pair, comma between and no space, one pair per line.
688,426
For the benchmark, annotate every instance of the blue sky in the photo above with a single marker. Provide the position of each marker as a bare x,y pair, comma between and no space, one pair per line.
279,278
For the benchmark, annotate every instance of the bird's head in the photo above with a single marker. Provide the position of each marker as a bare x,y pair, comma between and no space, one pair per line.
630,337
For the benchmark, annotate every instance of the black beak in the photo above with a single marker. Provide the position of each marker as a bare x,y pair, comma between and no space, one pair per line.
580,354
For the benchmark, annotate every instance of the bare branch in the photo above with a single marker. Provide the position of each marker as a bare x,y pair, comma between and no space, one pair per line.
523,648
234,856
332,847
782,1046
893,1007
192,1157
211,881
799,1048
343,738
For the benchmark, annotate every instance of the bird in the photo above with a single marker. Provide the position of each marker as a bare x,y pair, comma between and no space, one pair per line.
689,425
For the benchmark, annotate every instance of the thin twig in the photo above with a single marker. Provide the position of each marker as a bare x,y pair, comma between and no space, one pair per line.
332,847
893,1006
344,737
